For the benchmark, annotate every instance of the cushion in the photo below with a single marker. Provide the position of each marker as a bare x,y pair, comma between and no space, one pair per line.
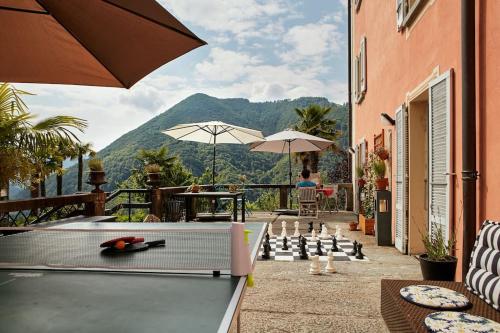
483,276
452,322
434,297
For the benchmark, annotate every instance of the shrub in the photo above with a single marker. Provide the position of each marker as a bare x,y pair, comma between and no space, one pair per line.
379,168
360,172
96,164
436,247
152,168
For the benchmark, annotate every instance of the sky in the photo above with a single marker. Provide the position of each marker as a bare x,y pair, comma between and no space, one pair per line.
262,50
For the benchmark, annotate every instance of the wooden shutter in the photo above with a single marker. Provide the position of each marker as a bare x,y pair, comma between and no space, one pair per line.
439,153
362,60
400,13
356,78
402,180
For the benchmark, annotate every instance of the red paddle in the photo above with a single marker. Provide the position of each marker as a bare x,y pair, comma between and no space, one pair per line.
134,247
130,240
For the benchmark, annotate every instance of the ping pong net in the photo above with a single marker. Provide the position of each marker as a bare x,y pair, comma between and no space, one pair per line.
185,250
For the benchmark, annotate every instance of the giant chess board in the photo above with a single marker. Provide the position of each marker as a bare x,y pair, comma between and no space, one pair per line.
293,253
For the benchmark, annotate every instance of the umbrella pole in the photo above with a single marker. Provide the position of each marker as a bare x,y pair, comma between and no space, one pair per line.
213,167
290,173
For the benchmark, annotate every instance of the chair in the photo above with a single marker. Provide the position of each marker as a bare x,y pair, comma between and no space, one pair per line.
330,192
308,201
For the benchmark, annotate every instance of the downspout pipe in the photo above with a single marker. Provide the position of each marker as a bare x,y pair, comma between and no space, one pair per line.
349,79
469,172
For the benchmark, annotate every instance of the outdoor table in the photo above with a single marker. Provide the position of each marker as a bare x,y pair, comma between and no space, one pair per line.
188,197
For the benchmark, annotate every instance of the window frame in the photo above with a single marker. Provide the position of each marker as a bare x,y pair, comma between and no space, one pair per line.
409,13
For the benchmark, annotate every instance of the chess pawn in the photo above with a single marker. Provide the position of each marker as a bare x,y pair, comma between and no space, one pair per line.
283,229
354,248
338,233
360,255
313,235
319,251
324,232
270,230
311,227
285,244
329,265
314,268
296,233
266,251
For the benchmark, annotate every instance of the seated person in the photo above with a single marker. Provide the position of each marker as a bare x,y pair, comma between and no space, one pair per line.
306,182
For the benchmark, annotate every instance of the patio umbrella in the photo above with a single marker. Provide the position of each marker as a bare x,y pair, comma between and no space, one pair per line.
290,141
111,43
214,132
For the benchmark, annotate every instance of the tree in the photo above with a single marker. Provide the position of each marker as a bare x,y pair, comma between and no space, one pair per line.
82,149
21,139
314,120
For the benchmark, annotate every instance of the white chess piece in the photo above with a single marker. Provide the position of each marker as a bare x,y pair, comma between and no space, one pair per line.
338,233
313,235
324,232
296,233
283,229
314,268
270,230
329,265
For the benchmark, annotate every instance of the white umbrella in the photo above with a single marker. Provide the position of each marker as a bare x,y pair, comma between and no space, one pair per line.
290,141
214,132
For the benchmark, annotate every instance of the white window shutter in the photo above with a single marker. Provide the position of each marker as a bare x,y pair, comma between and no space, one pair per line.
363,65
356,83
439,153
400,13
401,180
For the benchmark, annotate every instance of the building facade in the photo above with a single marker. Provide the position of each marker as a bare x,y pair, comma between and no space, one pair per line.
406,64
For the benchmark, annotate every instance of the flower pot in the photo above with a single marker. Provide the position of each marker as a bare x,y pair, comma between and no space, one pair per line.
361,182
96,178
353,226
367,225
438,270
383,155
153,179
233,188
195,188
381,183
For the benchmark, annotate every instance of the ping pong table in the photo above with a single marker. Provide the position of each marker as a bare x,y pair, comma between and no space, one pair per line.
56,299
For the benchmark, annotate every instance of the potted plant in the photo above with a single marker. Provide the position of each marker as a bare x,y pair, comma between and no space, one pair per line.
353,226
360,172
437,263
153,171
382,153
233,188
96,173
194,188
379,168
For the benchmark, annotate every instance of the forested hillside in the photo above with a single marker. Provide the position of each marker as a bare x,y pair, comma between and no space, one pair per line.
232,160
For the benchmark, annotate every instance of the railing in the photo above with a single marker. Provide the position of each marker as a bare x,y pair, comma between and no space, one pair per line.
37,210
129,204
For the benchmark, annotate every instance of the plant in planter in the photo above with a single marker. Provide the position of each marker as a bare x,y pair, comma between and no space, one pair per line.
367,221
379,169
154,172
353,226
438,263
382,153
360,173
194,188
96,173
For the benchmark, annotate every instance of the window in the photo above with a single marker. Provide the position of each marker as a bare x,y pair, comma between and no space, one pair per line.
360,72
407,11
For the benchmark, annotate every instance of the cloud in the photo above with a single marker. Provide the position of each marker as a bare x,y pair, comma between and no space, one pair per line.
226,65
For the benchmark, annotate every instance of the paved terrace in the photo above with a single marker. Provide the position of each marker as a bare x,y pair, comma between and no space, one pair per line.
286,298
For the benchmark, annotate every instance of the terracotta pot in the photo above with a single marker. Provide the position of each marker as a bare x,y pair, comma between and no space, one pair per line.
195,189
154,177
361,182
96,177
367,225
353,226
383,155
438,270
381,183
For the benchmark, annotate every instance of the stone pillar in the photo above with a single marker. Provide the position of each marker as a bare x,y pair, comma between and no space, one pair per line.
156,202
98,206
283,197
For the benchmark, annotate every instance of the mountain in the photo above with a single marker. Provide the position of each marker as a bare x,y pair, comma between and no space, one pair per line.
232,160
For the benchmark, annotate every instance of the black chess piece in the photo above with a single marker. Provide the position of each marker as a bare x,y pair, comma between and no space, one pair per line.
319,251
267,237
285,244
360,254
320,227
334,245
311,227
303,251
354,249
266,253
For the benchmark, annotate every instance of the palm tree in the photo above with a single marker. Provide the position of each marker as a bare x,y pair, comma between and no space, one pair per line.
82,149
314,120
20,138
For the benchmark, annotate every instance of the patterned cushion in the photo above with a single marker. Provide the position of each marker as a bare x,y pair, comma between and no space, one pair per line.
483,276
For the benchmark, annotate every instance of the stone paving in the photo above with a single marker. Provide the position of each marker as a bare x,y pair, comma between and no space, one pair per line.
286,298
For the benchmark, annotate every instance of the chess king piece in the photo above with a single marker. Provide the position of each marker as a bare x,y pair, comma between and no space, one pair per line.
360,254
311,228
296,233
324,231
314,268
283,229
270,230
266,253
329,266
319,251
285,244
354,249
313,235
334,245
303,251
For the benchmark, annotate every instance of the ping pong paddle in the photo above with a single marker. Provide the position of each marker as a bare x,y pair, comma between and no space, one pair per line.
134,247
130,240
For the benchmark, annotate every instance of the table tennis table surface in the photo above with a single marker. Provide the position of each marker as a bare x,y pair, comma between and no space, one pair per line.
100,301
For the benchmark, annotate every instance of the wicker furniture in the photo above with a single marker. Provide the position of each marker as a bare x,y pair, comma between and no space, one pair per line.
402,316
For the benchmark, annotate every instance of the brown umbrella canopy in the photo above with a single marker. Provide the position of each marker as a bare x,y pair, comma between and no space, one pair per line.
111,43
